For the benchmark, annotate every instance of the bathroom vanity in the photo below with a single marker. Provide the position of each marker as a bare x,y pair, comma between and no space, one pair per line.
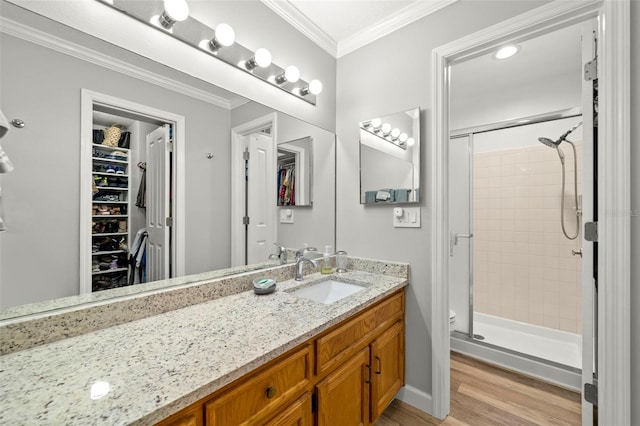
238,359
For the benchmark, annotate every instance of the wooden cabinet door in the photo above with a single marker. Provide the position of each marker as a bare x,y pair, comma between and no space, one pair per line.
387,364
297,414
343,397
191,416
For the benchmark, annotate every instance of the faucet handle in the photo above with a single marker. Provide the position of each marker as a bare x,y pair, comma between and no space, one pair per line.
280,248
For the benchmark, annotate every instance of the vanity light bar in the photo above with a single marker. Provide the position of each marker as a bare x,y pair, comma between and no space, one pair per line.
219,43
384,131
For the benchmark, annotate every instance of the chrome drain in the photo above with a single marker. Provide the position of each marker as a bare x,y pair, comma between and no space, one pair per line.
478,336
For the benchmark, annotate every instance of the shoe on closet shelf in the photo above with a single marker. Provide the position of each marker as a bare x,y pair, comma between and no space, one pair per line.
122,245
110,169
118,155
100,180
96,153
119,170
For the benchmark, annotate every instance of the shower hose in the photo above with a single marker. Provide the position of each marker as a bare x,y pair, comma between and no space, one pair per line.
575,194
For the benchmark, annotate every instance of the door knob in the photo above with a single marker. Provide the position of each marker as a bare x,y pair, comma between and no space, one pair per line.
577,252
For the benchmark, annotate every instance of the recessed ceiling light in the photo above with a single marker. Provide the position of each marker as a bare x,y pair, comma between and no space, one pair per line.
507,51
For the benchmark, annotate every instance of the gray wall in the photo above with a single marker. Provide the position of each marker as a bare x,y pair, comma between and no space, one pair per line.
635,212
394,74
41,196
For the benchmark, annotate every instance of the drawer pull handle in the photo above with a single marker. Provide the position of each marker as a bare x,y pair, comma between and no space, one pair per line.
368,368
379,365
271,392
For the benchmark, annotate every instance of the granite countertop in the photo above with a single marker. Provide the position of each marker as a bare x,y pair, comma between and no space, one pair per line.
158,365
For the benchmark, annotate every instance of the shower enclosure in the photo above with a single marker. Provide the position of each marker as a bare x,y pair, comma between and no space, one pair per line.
515,249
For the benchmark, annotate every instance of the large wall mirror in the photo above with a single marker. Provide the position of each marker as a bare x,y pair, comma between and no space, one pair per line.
390,158
43,250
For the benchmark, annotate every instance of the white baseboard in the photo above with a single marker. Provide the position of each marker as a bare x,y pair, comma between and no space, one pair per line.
416,398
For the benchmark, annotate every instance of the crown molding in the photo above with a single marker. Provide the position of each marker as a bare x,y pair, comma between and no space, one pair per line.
237,101
66,47
395,21
303,24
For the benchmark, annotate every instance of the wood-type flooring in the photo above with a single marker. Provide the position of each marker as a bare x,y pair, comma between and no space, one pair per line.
483,394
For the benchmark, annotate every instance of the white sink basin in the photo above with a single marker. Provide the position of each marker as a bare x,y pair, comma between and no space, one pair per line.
328,291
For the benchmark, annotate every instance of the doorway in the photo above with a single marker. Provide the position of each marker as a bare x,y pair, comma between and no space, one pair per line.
130,194
253,188
613,171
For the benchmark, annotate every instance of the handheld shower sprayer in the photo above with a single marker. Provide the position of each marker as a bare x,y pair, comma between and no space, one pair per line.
556,144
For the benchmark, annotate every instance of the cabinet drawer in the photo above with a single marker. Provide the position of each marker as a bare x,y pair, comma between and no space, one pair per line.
190,416
332,348
261,395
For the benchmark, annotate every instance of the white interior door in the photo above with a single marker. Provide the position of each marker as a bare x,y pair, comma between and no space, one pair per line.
460,290
589,299
157,210
261,198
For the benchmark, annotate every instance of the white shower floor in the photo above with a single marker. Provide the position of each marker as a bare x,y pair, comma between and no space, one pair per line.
542,342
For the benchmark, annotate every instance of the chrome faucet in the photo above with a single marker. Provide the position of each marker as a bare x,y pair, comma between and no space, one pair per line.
300,260
282,254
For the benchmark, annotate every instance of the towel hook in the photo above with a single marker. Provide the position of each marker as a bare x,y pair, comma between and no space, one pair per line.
16,122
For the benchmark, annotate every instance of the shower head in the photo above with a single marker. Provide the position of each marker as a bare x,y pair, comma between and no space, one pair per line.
548,142
554,144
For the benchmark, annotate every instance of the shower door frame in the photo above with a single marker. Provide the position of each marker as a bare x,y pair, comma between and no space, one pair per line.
614,185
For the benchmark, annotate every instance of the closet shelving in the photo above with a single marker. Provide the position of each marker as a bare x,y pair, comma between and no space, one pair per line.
110,216
286,173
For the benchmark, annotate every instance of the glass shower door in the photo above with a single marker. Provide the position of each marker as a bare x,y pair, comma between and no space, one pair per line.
460,237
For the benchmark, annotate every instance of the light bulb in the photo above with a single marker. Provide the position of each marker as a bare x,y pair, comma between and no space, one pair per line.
403,137
411,141
174,11
315,87
395,133
376,123
386,129
224,37
263,57
291,74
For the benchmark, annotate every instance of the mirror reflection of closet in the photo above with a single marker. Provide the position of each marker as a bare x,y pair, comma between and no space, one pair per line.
294,174
119,219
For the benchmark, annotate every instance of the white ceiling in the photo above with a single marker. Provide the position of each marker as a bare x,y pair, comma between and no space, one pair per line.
553,55
342,26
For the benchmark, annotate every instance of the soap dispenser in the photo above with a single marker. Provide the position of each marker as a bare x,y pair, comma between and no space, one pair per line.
326,261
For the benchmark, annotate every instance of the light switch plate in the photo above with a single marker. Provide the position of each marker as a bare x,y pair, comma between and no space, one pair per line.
410,217
286,215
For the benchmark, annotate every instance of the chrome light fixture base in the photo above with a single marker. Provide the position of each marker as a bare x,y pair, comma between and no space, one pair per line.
192,32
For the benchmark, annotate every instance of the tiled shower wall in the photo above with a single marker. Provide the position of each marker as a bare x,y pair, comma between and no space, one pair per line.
523,266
